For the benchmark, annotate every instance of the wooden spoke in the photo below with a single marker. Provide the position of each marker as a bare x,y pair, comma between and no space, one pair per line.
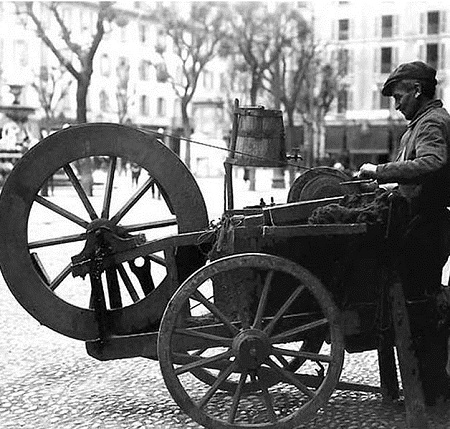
263,300
63,212
132,201
187,359
301,354
291,378
150,225
60,277
128,283
80,191
157,259
222,341
193,307
222,377
237,397
109,188
213,309
112,282
308,326
280,357
268,329
267,399
203,362
58,240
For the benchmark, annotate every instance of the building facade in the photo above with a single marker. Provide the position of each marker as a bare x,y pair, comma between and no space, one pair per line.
368,40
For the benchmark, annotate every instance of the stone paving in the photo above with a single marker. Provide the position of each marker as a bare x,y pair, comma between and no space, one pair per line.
49,382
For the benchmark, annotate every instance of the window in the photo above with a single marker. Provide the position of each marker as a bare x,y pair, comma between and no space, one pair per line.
386,60
385,102
379,100
144,70
343,29
433,22
144,105
386,26
343,61
161,106
104,101
142,33
162,74
342,100
123,72
432,55
161,41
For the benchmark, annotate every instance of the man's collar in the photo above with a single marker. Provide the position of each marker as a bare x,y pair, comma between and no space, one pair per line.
432,104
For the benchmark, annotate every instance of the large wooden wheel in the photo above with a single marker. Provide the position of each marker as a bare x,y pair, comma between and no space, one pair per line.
39,235
253,354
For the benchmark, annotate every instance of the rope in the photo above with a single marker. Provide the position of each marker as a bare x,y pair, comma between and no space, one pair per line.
261,158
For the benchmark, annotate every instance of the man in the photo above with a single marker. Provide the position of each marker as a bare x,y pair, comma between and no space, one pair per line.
422,172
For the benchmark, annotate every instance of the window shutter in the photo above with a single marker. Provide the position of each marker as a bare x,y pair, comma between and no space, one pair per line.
334,30
442,56
443,21
375,104
422,23
351,24
422,52
376,61
395,20
377,27
395,58
349,100
351,61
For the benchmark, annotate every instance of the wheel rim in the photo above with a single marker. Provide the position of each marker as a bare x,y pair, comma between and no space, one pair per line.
258,353
134,306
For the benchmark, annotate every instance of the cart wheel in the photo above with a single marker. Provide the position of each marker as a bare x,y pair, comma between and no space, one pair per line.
255,357
36,256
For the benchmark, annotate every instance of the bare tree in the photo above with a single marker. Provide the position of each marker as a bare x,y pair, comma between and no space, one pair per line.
123,96
52,86
196,33
84,53
83,68
258,39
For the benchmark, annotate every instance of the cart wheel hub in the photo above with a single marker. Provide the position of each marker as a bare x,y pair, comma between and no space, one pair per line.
251,347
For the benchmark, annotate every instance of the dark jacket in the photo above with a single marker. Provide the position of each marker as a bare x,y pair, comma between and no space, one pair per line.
422,167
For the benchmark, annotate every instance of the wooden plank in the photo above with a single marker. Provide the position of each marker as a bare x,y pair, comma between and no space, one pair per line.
295,212
314,230
409,368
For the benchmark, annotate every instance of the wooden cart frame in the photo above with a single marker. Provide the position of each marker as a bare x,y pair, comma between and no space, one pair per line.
253,325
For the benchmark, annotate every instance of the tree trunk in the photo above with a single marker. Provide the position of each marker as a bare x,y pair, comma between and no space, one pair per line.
85,166
187,133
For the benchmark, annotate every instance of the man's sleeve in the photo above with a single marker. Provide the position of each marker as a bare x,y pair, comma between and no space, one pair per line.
431,155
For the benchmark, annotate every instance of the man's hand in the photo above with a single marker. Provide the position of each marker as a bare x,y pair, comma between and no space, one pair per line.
367,171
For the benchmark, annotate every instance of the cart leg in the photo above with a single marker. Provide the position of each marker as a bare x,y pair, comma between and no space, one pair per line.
409,368
388,372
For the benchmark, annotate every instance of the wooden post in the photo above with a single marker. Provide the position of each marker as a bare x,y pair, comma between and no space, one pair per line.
228,164
409,368
388,372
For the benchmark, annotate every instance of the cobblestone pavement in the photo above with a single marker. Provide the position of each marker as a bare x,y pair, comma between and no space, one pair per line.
49,382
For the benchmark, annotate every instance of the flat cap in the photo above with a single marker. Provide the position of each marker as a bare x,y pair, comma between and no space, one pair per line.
415,70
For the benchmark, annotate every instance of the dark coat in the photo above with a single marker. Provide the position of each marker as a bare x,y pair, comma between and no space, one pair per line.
422,167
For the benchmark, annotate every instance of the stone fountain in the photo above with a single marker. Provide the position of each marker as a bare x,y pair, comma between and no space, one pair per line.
13,142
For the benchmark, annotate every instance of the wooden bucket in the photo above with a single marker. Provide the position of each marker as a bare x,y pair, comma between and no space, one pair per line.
260,140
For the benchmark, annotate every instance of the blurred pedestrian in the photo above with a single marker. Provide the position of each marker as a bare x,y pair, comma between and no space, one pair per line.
135,173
